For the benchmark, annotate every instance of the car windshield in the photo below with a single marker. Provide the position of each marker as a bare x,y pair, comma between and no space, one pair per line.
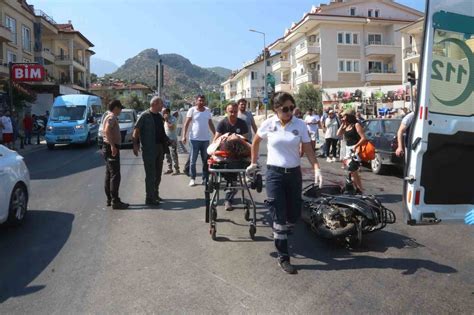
63,113
391,126
125,117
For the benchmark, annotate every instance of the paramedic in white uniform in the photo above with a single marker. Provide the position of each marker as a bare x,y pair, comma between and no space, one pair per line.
284,134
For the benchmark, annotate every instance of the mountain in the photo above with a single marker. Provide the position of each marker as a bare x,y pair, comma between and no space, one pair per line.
102,67
180,75
221,71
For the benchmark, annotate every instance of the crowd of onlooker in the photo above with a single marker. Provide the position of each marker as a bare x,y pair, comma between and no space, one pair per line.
17,130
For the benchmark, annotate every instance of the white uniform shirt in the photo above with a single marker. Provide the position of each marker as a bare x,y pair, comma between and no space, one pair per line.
312,119
7,124
200,121
283,143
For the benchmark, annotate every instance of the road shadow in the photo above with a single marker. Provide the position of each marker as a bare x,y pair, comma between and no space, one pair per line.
243,240
330,255
27,250
63,161
389,198
182,204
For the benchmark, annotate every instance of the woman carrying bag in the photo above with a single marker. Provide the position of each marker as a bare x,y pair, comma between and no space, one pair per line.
284,134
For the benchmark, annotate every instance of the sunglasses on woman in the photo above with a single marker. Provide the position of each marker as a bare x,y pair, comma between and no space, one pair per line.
287,109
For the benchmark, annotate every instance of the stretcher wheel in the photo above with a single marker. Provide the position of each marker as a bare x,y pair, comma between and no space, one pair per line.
252,231
247,213
213,231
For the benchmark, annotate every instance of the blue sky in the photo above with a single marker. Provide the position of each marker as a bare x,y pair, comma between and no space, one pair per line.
207,32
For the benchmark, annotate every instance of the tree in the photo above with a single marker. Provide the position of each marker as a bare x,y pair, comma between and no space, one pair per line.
94,78
134,102
308,97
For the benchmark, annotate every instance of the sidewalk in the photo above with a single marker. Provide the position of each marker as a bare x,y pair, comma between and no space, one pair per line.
30,147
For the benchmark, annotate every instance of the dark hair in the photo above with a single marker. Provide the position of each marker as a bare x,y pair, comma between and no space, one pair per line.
280,98
167,110
243,100
201,96
350,118
113,104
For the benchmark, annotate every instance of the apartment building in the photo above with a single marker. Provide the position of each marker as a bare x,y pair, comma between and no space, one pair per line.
118,90
412,44
346,43
29,35
249,82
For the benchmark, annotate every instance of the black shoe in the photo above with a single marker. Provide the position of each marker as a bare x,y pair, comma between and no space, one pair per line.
160,199
151,202
109,202
287,267
120,205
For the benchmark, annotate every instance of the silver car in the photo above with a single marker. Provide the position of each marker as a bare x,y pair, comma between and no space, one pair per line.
127,120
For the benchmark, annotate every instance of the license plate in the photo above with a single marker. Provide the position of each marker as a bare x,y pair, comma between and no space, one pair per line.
63,138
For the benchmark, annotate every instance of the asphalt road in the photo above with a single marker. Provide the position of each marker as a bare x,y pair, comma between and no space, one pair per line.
74,255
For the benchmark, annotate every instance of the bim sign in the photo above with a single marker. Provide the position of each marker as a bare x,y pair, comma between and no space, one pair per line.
27,72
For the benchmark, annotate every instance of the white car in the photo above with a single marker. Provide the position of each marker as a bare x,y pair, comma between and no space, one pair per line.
14,187
127,120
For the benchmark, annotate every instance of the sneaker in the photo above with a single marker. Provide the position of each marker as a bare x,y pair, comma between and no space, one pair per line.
192,183
328,159
176,172
109,202
333,159
228,206
287,267
120,205
168,172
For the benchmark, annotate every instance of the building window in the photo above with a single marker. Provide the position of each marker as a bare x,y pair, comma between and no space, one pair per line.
254,75
10,23
348,38
377,13
340,38
341,65
411,40
356,66
355,38
26,38
353,11
11,57
348,66
369,13
268,63
375,39
375,66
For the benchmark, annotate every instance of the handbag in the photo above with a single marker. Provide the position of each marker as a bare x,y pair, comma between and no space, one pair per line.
367,151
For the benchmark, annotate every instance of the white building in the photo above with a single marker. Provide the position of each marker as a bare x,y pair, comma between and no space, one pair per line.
348,43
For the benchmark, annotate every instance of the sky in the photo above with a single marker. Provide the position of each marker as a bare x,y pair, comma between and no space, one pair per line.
207,32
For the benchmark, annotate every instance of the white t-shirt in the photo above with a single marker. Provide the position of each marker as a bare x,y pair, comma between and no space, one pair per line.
283,143
408,119
312,119
200,124
331,128
7,124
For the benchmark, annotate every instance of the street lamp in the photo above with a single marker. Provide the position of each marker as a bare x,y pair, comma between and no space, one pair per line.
265,95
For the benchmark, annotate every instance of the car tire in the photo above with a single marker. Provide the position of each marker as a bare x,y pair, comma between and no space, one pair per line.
376,165
18,205
50,146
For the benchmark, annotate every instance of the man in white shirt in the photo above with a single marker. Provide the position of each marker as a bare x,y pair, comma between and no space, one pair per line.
7,129
313,121
201,118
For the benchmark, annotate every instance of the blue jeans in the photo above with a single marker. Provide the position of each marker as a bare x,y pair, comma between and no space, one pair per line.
284,202
196,148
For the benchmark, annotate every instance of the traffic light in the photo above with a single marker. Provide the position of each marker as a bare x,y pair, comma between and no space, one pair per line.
411,77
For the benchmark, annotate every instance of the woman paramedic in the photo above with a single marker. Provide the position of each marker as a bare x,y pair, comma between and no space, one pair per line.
284,134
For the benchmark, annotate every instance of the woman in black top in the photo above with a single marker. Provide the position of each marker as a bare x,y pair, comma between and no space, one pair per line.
354,136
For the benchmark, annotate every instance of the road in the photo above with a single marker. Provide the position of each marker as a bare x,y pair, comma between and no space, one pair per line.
74,255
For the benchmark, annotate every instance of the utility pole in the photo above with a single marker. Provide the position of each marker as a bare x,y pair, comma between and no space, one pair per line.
265,94
10,85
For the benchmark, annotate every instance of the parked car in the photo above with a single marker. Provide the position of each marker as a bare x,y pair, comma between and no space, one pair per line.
127,120
383,135
14,187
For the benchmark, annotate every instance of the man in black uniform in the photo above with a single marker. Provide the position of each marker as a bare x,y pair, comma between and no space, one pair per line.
231,124
150,130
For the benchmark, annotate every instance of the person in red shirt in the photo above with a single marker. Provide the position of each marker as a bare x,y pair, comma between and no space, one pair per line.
28,127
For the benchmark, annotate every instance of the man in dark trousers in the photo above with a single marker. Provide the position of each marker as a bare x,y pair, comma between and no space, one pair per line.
231,124
150,130
111,151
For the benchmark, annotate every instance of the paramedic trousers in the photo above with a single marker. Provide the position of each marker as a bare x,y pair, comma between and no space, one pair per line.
284,202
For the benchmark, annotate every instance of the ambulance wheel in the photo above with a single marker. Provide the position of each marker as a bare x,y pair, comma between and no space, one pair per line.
50,146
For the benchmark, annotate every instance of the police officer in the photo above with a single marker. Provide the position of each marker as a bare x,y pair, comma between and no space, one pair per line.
111,151
284,134
150,130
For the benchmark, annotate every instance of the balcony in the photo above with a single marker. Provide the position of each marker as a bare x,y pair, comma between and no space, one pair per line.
306,78
280,66
4,68
388,75
46,54
283,87
5,34
374,48
307,50
412,52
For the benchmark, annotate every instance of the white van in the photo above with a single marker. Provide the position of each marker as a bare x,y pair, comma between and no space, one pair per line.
439,182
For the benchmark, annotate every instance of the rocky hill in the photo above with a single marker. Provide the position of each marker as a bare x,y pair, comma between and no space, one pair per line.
181,76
